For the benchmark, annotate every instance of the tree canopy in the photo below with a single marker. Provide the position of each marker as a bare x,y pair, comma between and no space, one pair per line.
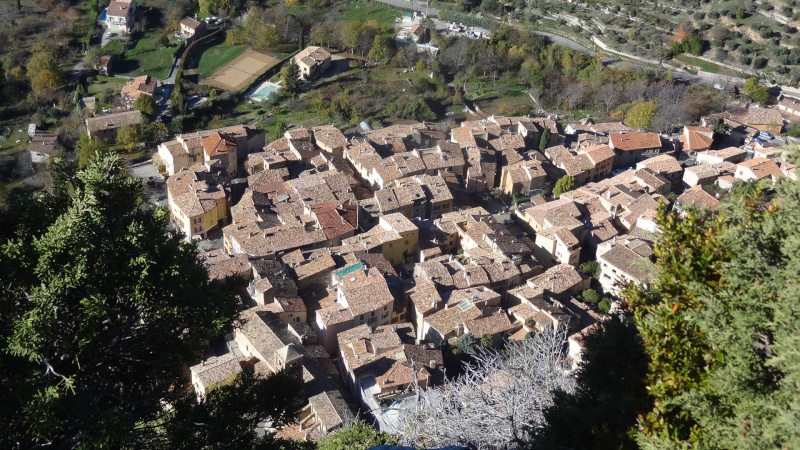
355,436
641,114
726,298
146,104
756,91
290,75
564,184
101,307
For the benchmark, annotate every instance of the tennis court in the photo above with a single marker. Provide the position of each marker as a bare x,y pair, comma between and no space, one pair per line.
242,71
263,91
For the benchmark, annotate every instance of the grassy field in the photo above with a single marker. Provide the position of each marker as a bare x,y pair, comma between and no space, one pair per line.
9,145
102,83
216,57
380,12
699,63
147,57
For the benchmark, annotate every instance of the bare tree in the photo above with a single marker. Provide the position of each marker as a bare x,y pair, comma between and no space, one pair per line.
610,95
499,399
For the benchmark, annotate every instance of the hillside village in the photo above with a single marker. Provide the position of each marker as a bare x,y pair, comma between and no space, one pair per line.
370,256
374,260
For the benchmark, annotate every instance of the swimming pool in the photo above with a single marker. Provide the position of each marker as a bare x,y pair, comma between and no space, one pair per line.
264,91
102,17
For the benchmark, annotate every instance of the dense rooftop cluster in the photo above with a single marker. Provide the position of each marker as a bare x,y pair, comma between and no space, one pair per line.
371,248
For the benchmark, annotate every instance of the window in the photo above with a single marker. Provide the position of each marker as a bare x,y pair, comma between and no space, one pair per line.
406,242
197,220
385,314
297,319
198,229
372,314
385,307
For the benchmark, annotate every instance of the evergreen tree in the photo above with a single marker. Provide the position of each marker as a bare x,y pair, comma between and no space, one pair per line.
721,325
100,308
544,140
564,184
290,75
609,394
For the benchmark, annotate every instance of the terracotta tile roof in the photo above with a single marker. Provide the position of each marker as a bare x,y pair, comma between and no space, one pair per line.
424,295
696,138
291,304
398,223
661,164
195,191
309,264
480,296
634,141
337,218
365,292
571,162
463,136
316,55
329,136
175,148
494,324
218,144
698,198
43,142
598,154
118,9
508,141
112,121
761,168
190,23
634,265
702,171
756,115
217,370
554,211
557,280
446,321
221,265
647,178
139,85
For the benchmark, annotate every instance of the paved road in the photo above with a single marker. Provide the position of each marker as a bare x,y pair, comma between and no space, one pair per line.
561,40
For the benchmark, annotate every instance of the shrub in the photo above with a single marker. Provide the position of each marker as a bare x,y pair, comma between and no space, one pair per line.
590,296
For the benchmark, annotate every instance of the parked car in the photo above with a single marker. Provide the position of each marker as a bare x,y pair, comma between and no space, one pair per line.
766,135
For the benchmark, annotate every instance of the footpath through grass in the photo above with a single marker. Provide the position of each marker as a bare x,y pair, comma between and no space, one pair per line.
217,56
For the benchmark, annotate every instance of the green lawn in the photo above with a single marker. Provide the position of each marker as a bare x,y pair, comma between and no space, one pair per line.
147,57
9,145
379,12
102,83
113,47
699,63
218,56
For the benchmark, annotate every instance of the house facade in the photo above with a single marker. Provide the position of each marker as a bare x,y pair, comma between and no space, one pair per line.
121,16
198,201
313,62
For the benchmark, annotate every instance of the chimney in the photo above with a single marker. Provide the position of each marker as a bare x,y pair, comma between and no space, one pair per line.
432,364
